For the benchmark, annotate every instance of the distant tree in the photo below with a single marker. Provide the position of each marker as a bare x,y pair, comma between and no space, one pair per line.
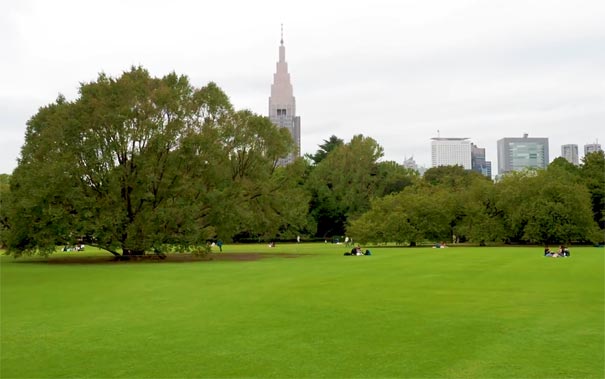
563,164
453,177
138,164
324,149
393,177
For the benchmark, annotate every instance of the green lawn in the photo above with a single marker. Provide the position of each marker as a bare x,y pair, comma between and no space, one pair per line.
402,312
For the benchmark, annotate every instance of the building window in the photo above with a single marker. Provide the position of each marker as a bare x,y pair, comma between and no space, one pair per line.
281,112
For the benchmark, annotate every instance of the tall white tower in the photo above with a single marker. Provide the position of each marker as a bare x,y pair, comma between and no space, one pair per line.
282,104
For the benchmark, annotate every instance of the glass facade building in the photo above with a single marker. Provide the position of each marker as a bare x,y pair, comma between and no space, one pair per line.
516,154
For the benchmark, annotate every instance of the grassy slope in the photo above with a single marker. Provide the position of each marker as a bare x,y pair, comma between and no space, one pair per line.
458,312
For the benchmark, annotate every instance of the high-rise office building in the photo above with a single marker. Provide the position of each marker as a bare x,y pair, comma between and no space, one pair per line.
591,148
282,104
451,152
516,154
570,152
478,162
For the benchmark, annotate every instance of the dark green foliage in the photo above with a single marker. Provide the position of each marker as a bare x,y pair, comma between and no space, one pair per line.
325,148
593,174
416,214
343,183
453,177
4,201
137,164
545,206
393,177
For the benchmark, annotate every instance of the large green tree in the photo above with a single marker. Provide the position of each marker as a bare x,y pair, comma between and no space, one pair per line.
478,219
418,213
545,206
475,217
138,163
343,183
347,178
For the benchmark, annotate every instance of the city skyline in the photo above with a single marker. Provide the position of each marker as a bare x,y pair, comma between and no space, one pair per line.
396,71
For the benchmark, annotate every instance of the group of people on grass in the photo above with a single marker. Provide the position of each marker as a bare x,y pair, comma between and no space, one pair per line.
561,252
358,251
77,247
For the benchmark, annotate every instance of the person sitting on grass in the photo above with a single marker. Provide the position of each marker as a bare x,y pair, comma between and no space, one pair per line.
356,250
562,252
556,254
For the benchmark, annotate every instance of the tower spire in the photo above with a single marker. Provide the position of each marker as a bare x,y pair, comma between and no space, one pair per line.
282,104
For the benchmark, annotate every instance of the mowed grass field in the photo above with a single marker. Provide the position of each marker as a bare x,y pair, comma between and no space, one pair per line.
461,312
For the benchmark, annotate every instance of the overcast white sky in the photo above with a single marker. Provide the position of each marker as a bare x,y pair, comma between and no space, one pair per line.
396,71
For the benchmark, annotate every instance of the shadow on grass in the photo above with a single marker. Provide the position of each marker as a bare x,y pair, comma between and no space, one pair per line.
150,258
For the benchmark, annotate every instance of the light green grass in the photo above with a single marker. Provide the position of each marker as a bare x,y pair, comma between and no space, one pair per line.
421,313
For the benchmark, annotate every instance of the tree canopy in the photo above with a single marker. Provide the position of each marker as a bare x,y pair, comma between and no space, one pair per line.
138,163
534,206
593,174
342,184
325,148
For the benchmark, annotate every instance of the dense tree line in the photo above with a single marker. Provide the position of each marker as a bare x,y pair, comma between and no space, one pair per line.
138,164
560,204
